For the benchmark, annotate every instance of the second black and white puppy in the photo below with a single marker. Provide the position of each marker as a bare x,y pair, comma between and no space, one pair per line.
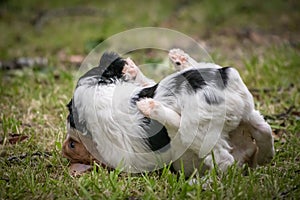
212,109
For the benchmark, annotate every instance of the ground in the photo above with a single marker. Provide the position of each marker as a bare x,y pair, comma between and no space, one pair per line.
261,39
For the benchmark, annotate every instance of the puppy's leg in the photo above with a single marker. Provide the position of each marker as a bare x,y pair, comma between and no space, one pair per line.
155,110
133,73
262,133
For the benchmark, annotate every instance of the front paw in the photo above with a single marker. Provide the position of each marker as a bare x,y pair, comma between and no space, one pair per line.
130,70
146,106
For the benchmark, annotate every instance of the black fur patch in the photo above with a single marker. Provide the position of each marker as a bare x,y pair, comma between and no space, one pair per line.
199,78
191,78
148,92
73,118
70,117
114,70
220,79
224,74
109,69
158,134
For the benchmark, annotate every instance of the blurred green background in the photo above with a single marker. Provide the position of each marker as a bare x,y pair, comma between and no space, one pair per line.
45,28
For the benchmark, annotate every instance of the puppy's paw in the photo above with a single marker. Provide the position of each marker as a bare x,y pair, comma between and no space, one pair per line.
147,106
130,70
179,59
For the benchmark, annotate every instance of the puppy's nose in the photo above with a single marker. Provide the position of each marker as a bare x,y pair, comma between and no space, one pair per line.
177,63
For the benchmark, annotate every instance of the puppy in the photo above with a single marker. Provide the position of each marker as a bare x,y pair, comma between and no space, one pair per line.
122,135
185,88
244,148
215,106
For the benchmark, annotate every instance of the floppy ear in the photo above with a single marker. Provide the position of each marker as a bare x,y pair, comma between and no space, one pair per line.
110,66
108,58
115,69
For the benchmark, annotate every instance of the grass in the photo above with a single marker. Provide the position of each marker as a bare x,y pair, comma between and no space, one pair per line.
32,100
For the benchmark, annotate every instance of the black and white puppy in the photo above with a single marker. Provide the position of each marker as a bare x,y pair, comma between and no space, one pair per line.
211,106
197,108
105,119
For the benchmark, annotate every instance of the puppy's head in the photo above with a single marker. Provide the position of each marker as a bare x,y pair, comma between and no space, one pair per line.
110,68
73,148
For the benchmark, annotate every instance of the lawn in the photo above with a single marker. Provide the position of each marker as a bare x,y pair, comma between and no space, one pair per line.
260,39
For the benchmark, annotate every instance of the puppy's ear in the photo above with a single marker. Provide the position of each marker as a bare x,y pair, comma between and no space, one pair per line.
113,65
105,61
108,58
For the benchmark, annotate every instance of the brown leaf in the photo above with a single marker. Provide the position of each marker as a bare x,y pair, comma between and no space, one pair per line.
14,138
76,58
70,58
